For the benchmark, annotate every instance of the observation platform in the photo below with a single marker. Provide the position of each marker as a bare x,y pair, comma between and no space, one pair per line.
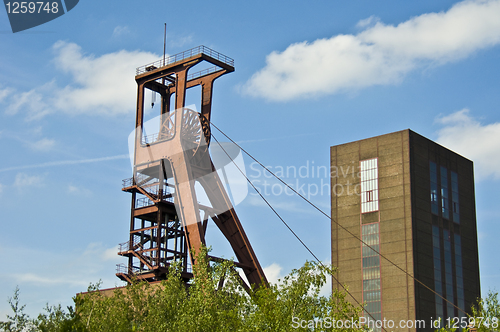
220,61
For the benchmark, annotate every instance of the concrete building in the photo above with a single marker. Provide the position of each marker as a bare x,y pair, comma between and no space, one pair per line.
412,200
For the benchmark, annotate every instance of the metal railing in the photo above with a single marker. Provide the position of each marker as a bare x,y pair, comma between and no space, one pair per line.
123,247
145,201
150,139
197,74
139,179
128,182
151,189
142,202
203,72
153,138
185,55
154,190
122,268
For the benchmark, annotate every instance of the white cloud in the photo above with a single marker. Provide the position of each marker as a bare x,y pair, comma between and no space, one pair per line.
119,31
99,84
273,273
102,84
37,130
110,254
55,275
74,190
379,55
473,140
43,144
368,22
180,41
41,280
98,250
32,101
326,290
70,268
23,181
279,204
65,162
4,93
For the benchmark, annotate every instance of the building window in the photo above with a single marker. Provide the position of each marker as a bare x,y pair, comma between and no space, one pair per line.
454,198
459,279
369,196
371,271
443,190
445,208
434,188
448,272
369,185
452,286
438,282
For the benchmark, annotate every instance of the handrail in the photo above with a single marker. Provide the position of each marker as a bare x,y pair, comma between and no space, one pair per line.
145,201
122,268
152,189
184,55
140,180
202,73
123,247
127,182
149,139
142,202
197,74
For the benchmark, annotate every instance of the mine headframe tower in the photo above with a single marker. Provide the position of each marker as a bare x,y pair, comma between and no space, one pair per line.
167,222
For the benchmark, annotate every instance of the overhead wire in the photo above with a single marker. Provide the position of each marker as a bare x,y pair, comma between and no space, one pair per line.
328,216
289,228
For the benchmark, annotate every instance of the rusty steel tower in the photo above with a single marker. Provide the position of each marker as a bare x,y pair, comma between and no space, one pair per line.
167,222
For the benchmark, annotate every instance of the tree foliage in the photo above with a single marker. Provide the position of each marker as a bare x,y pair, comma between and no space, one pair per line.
20,321
488,308
214,301
485,316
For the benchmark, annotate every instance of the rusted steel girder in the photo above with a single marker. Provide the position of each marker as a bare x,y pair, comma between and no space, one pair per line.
179,152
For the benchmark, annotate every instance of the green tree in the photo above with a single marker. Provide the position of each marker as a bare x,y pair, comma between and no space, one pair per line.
55,319
487,311
296,304
485,315
20,321
215,300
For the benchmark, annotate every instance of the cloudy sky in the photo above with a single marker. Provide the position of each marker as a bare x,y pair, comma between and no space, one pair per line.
308,76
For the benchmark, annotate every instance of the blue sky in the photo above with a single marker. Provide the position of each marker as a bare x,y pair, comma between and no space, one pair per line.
308,76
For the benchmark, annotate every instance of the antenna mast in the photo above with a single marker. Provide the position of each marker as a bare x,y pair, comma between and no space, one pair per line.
153,95
164,44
